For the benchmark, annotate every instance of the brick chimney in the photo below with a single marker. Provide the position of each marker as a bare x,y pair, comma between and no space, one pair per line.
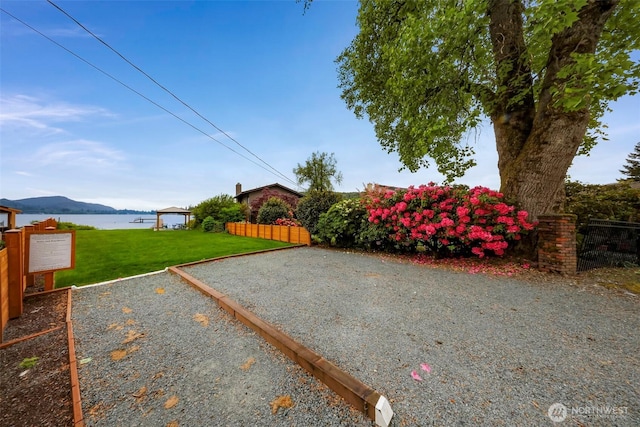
238,188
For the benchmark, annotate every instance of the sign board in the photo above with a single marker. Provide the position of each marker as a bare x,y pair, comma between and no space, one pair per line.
50,250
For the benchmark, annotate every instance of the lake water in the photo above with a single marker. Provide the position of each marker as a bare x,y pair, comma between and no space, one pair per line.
104,221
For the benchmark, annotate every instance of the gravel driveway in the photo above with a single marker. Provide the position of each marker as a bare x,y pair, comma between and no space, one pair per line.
501,351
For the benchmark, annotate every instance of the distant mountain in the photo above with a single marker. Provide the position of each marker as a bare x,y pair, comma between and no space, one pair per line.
60,205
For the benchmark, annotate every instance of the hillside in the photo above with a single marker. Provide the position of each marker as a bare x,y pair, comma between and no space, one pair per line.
59,205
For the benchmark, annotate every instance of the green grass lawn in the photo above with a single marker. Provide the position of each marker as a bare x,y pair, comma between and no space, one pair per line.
110,254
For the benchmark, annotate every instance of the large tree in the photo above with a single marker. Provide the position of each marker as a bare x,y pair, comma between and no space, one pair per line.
427,72
318,172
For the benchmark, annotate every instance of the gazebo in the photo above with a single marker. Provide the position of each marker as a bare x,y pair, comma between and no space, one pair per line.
173,210
10,215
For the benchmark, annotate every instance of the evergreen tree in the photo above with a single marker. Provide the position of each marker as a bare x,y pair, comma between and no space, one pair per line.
632,168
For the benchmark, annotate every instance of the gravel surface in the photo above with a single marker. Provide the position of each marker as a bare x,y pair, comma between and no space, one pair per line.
501,351
152,351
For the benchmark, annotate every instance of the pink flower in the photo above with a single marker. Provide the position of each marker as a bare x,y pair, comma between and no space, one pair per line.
425,367
513,229
462,211
416,376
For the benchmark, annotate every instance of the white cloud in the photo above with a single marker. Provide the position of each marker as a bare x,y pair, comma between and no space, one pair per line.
79,155
29,113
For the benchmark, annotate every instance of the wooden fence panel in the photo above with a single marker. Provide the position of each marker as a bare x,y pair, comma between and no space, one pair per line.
4,290
295,235
16,278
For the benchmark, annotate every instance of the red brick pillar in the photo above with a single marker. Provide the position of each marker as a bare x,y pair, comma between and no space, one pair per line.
557,244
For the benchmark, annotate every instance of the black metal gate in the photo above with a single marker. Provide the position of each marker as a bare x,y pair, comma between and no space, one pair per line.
610,244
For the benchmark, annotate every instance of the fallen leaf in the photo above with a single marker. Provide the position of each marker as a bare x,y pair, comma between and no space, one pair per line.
133,348
173,423
250,361
130,322
115,326
140,394
425,367
132,336
415,376
157,375
118,354
98,410
281,402
202,319
160,291
126,310
85,360
171,402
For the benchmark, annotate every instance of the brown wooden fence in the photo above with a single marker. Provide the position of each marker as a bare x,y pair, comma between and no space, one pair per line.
296,235
13,277
4,290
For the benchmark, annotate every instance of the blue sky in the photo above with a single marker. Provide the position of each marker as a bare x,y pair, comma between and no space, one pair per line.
262,71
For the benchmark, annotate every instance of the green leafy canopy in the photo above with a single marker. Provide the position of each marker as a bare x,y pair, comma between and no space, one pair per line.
425,72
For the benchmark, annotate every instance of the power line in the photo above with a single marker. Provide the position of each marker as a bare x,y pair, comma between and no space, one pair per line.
165,89
133,90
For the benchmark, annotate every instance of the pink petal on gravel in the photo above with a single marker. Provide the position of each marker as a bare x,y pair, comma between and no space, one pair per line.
425,367
415,376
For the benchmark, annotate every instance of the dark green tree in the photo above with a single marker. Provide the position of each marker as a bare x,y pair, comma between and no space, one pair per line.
632,168
427,72
318,171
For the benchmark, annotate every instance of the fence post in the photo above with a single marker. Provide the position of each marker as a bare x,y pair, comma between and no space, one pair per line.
28,229
15,254
557,244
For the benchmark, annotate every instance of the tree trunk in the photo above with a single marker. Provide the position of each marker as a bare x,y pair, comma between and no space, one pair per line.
534,178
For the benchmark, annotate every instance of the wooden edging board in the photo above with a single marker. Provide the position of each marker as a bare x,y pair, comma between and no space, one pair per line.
362,397
78,419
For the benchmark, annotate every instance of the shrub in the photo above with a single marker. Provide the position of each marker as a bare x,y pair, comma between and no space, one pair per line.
273,209
343,224
266,195
208,224
448,221
213,207
311,206
616,202
235,213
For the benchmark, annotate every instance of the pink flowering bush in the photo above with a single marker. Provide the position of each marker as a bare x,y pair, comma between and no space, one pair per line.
447,221
287,222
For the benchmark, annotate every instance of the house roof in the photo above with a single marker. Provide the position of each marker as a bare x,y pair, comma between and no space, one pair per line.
253,190
173,210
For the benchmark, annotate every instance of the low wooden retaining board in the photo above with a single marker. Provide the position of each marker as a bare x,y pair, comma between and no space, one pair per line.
78,418
362,397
